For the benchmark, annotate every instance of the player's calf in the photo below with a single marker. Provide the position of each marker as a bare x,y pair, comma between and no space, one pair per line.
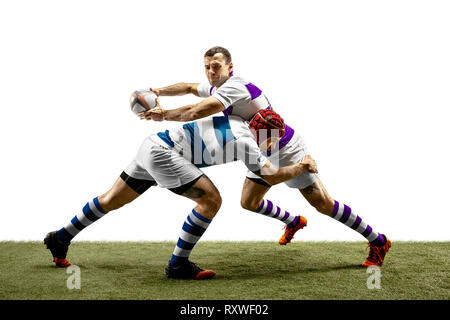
124,190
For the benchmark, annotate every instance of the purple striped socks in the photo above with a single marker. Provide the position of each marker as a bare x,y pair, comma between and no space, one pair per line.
344,214
267,208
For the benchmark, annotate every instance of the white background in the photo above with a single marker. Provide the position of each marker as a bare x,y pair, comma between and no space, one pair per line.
365,83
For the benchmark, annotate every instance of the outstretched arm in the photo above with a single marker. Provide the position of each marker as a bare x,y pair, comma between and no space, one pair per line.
178,89
191,112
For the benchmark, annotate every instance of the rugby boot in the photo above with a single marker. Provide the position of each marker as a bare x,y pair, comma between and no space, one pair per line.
58,249
188,270
377,254
290,231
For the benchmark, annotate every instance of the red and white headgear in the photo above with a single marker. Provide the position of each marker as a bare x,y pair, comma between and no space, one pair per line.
264,123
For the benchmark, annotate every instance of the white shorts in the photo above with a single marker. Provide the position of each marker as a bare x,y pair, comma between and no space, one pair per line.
156,161
292,153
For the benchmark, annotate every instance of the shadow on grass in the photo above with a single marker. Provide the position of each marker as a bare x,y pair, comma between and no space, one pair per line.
258,264
332,268
268,273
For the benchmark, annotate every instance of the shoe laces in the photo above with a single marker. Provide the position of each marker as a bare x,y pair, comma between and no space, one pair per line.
289,232
193,266
374,253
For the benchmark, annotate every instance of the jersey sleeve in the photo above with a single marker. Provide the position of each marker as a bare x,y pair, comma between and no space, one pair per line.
232,92
248,152
204,89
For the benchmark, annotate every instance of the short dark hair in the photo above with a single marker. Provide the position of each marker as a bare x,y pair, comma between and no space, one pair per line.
211,52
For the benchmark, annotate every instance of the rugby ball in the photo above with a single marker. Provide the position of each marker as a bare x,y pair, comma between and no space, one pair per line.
142,100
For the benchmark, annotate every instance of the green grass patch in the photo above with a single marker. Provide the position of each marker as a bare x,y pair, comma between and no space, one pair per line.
245,270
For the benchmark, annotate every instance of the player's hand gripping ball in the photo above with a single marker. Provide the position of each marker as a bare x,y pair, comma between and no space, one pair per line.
142,100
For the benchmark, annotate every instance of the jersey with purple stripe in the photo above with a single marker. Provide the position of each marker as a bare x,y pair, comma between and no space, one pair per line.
243,99
238,96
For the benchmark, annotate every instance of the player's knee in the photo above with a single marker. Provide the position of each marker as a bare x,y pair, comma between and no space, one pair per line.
249,204
323,205
216,202
109,202
211,203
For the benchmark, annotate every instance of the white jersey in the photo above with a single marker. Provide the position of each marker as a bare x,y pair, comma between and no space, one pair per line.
238,96
216,140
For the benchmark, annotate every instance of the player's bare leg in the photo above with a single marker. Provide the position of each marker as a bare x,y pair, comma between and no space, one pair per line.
319,198
252,198
253,194
205,193
208,200
117,196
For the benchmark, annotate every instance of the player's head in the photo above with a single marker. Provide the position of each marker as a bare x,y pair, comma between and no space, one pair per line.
218,65
268,127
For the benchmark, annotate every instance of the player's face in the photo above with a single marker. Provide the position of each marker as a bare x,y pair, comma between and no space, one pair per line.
217,71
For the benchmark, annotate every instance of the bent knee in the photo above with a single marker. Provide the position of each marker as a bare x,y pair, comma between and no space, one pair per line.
211,202
250,204
323,205
109,202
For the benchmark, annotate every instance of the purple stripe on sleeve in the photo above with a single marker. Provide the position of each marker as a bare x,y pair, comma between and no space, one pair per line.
345,214
228,111
255,92
288,134
210,90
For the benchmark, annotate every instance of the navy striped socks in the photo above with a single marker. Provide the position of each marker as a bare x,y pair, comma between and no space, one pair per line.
91,212
193,229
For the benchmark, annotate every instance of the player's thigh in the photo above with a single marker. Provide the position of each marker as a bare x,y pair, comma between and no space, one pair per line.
165,165
318,197
253,191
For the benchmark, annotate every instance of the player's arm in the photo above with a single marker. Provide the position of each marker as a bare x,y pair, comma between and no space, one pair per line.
274,175
204,108
178,89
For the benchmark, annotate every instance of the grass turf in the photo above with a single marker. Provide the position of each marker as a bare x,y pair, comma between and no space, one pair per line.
245,270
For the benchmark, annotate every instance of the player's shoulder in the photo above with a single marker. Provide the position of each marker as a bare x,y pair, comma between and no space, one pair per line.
234,81
238,79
